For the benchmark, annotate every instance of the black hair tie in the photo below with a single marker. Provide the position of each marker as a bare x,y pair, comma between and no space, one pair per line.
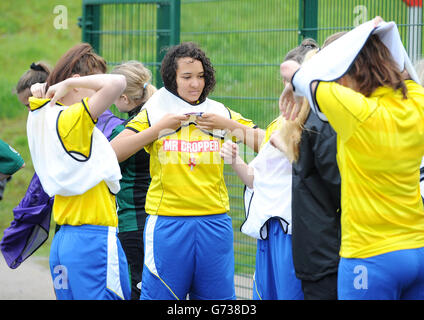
36,67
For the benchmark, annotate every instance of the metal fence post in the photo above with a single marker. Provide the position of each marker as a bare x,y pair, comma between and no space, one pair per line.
175,22
168,30
91,22
308,19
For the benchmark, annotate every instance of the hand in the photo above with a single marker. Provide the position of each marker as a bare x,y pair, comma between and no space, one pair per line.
57,91
171,122
229,152
288,69
210,121
38,90
377,21
289,104
405,75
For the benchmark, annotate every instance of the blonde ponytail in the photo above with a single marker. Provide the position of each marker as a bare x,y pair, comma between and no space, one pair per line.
291,132
149,90
139,89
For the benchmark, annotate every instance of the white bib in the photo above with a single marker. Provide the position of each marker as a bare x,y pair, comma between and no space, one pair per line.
333,61
60,172
271,195
163,102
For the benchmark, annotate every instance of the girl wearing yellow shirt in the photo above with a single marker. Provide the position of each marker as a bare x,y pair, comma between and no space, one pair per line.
188,237
378,115
77,166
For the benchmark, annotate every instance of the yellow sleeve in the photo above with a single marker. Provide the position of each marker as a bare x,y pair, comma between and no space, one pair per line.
240,119
75,128
273,126
344,108
140,122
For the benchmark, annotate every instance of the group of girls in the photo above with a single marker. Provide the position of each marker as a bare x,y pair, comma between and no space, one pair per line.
184,196
146,214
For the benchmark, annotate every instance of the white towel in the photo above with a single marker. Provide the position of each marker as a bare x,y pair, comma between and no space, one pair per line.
59,172
271,194
333,61
163,102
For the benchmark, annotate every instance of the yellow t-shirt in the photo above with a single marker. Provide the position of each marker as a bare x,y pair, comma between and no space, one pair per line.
379,150
97,205
186,170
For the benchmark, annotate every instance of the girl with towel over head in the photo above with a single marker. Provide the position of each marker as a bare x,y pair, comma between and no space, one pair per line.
372,98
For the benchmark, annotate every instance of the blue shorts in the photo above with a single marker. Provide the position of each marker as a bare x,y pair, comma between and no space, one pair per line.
275,278
390,276
188,256
87,263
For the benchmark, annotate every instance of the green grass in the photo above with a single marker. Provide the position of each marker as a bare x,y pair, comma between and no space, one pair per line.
27,34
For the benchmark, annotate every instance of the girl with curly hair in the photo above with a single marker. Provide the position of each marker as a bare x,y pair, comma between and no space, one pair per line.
188,236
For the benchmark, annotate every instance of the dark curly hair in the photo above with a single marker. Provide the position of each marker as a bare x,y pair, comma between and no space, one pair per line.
169,66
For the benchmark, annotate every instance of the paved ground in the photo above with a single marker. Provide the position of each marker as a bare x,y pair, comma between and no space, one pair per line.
244,286
30,281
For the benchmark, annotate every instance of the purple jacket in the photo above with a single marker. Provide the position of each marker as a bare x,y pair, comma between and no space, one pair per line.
31,224
30,227
107,122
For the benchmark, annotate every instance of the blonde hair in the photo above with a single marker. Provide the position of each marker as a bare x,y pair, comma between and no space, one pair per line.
291,131
139,89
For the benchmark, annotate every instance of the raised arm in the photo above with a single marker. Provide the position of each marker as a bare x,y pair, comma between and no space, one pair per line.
128,142
107,87
252,137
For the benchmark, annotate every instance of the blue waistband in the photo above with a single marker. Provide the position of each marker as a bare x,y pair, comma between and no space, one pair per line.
204,217
89,228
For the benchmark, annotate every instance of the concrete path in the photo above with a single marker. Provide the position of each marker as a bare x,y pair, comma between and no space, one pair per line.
30,281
